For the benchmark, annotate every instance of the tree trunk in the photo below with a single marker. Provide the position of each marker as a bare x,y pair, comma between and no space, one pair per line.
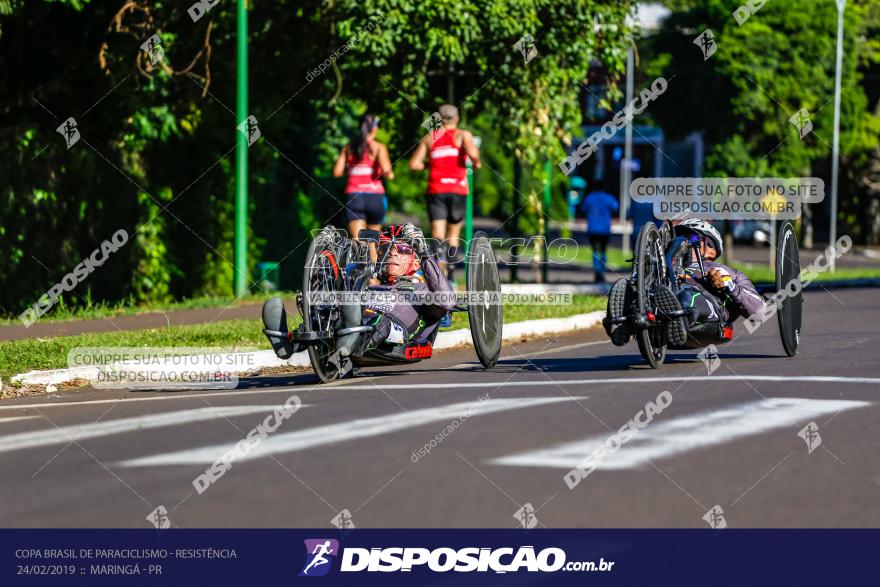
870,182
729,256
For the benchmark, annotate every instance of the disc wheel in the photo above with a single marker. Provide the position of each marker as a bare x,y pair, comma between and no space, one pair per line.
486,316
650,272
321,274
788,270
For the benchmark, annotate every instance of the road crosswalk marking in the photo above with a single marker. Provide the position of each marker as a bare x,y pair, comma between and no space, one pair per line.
346,431
77,432
664,438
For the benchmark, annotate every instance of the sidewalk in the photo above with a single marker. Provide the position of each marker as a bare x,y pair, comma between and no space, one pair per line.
45,329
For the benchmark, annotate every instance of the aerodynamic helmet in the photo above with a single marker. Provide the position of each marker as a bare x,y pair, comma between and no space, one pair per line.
704,229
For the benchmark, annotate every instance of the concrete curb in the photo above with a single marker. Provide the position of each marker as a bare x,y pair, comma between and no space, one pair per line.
267,359
870,282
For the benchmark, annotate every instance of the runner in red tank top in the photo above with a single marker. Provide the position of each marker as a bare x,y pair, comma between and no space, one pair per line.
365,161
448,148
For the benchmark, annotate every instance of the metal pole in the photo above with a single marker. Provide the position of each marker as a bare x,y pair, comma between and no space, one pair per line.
241,156
450,84
545,219
469,209
469,212
626,163
841,4
517,183
773,234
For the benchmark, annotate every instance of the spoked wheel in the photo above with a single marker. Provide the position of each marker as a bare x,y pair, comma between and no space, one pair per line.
650,273
486,319
788,270
321,275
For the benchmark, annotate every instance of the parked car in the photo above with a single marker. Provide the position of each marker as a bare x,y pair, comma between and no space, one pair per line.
756,232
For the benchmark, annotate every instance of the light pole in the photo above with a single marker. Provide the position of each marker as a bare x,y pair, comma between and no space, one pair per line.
841,5
626,163
241,156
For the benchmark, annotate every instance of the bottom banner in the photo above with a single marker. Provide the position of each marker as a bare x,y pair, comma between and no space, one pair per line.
438,557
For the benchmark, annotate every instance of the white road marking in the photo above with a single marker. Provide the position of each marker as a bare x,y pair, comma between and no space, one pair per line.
13,418
183,395
77,432
666,438
347,431
350,384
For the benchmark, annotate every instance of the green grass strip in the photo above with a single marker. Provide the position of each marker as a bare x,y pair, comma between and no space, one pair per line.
19,356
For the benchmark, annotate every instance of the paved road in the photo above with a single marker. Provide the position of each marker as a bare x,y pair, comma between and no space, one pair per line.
729,439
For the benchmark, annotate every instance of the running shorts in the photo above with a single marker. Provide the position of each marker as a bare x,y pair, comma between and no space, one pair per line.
448,207
361,206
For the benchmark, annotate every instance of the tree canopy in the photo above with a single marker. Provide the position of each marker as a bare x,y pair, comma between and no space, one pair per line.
765,70
157,139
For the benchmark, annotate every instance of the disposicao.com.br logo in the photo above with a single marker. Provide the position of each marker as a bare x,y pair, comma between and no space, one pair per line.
442,560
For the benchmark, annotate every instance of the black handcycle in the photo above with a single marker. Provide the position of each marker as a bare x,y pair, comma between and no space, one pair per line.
336,264
660,257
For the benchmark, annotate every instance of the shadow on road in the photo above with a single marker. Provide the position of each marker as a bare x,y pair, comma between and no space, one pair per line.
594,364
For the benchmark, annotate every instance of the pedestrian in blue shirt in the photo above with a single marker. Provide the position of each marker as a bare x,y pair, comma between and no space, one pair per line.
599,206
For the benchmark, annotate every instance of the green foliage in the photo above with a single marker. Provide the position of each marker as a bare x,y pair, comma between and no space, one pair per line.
152,277
526,111
156,151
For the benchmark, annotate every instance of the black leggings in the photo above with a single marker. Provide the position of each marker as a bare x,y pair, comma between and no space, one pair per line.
705,306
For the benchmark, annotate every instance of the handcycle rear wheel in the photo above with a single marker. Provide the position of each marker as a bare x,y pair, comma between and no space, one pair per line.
487,318
650,272
788,269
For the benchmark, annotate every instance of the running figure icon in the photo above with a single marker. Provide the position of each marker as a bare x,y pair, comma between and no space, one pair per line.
319,555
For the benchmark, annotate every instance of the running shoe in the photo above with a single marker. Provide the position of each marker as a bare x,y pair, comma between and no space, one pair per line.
676,327
275,328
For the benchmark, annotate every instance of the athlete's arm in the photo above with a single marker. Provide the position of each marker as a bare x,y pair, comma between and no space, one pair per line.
339,167
739,288
470,148
435,280
385,162
417,161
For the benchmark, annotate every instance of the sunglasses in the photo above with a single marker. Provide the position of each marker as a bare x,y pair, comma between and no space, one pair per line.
401,248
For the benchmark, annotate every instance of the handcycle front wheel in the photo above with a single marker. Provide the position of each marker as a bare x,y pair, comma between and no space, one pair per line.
321,275
650,272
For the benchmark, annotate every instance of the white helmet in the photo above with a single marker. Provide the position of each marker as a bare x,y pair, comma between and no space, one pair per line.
705,229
